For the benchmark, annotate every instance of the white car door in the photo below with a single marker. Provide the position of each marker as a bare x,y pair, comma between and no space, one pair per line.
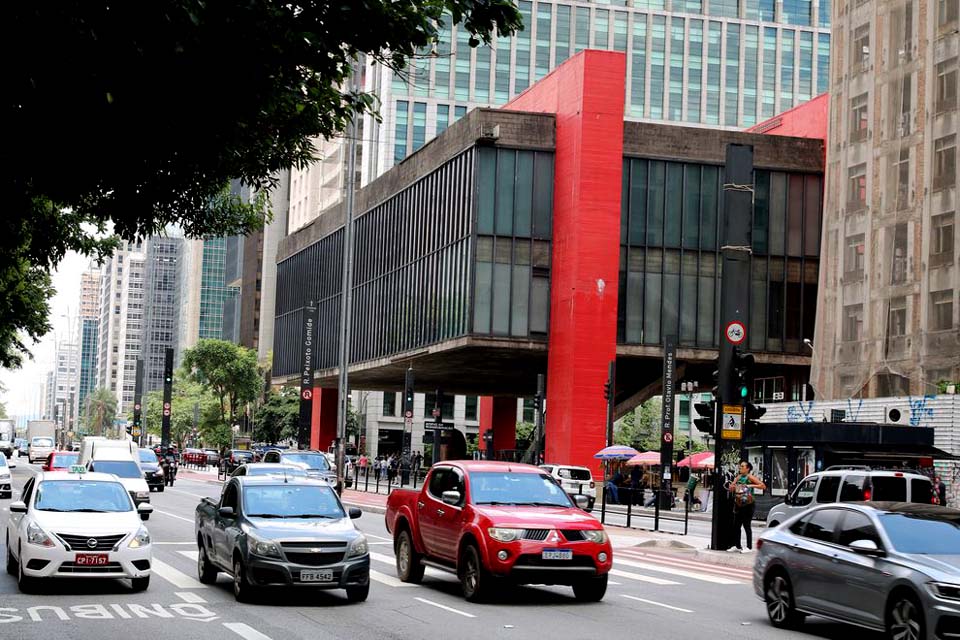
15,522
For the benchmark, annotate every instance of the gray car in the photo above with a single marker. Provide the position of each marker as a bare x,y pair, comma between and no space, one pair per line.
885,566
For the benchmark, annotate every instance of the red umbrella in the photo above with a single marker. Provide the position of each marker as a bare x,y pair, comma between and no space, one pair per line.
702,460
646,459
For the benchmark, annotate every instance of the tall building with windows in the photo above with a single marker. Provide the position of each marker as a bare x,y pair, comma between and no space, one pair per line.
88,333
160,323
201,292
888,321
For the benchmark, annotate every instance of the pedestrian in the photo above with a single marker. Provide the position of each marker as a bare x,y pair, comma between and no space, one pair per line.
636,496
691,496
940,491
613,486
363,465
744,504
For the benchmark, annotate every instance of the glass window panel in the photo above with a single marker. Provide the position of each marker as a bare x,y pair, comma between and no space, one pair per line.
758,303
677,42
544,18
798,12
561,43
761,211
638,68
671,303
778,204
419,124
634,305
724,8
481,75
506,173
501,79
706,325
542,195
795,216
486,188
482,298
624,200
714,35
582,38
620,31
811,215
674,205
521,79
823,62
400,132
638,202
524,195
539,305
691,206
655,202
501,298
775,303
688,300
786,68
733,75
694,70
443,118
657,63
521,295
708,208
653,302
601,28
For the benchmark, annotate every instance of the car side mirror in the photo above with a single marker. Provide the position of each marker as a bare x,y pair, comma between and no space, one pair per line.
144,510
18,507
866,547
226,512
451,497
581,501
354,513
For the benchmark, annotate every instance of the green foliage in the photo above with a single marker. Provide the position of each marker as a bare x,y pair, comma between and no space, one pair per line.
943,384
524,434
278,418
168,102
3,410
641,429
100,411
229,370
187,394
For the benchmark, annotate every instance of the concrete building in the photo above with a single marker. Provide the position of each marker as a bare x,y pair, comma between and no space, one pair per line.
88,335
888,321
161,268
62,385
319,185
200,292
121,322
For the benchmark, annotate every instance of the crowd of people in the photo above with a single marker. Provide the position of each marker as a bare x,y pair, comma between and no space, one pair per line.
385,467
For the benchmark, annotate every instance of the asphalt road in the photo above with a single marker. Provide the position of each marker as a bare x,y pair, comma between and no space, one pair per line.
653,594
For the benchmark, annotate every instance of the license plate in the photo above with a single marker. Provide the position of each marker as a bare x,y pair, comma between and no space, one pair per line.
316,576
91,559
557,554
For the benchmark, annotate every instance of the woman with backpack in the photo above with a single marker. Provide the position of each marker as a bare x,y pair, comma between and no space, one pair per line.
744,504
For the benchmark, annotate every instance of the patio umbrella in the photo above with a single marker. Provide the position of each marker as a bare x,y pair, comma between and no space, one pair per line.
616,452
645,459
702,460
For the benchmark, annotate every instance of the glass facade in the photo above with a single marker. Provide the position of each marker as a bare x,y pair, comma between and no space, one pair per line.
670,264
89,330
213,289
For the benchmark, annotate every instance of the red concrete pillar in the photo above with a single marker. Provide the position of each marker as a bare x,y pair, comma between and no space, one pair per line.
323,425
499,414
587,94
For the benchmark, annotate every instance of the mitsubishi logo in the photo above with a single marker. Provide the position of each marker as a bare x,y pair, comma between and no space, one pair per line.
555,537
92,543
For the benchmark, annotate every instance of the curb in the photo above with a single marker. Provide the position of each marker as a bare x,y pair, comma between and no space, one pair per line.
366,508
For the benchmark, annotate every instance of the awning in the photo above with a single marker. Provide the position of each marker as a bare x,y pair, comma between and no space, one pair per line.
906,451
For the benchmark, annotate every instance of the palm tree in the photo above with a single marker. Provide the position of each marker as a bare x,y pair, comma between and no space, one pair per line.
100,411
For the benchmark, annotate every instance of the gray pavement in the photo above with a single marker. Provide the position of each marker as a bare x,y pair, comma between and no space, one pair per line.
654,593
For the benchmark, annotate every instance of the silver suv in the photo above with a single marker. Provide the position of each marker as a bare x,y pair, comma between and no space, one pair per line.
852,484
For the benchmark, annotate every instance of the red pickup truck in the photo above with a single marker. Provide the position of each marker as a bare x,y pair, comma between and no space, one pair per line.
490,522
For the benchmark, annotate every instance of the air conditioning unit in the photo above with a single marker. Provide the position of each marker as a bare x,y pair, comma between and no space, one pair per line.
894,415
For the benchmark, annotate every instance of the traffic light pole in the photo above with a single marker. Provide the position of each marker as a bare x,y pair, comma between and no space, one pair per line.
167,397
734,297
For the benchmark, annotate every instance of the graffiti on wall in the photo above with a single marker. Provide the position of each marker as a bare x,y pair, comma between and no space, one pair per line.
921,410
800,412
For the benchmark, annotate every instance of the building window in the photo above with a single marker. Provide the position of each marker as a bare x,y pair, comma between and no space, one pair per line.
726,8
857,188
769,389
470,407
897,317
798,12
900,267
430,403
891,384
941,310
389,403
529,410
824,13
852,322
947,11
400,132
900,182
858,118
860,49
853,258
946,98
941,239
787,48
419,124
945,162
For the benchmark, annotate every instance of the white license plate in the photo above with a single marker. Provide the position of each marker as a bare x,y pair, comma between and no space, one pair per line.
316,576
557,554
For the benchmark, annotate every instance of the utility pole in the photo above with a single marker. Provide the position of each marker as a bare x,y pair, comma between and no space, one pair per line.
735,251
136,430
538,431
609,393
346,291
167,398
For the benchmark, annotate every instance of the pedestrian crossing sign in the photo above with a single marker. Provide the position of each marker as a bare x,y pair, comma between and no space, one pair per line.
732,426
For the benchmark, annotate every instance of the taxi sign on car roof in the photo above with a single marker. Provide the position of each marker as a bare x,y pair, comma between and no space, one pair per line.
77,468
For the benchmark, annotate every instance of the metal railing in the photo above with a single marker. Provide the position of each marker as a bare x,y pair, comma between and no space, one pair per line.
659,496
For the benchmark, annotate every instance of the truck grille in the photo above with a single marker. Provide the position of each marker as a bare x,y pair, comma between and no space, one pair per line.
314,554
73,567
535,534
82,543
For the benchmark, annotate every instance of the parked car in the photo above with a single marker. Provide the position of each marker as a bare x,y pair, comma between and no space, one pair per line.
213,457
274,531
852,484
574,480
152,471
195,457
6,479
887,566
487,520
60,461
268,469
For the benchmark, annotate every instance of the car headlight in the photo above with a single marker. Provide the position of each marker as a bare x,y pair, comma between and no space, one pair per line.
5,475
37,536
501,534
159,471
143,494
358,547
945,591
140,539
260,547
595,535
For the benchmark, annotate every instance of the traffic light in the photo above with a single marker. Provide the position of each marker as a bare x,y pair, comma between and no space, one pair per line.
607,390
408,393
708,410
742,374
751,418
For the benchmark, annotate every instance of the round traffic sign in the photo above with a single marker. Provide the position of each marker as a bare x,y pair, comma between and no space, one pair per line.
735,332
668,437
166,412
137,407
166,405
408,414
306,394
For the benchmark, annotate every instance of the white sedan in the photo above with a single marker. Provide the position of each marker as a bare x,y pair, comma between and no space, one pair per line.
77,525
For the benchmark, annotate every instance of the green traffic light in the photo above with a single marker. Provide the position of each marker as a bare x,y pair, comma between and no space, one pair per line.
743,392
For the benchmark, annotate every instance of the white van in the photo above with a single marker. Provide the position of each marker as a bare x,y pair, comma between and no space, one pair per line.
94,446
119,457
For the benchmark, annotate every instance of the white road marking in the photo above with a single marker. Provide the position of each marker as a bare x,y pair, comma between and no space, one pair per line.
616,584
380,542
446,608
193,555
683,563
187,493
245,631
370,535
189,596
183,543
430,571
647,566
658,604
390,581
173,515
642,578
175,577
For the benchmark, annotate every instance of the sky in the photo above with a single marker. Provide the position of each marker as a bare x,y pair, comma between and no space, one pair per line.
24,386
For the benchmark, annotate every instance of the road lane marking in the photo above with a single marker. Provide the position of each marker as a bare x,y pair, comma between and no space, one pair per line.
187,493
446,608
380,542
687,563
390,581
173,515
245,631
430,571
193,554
616,584
371,535
642,578
189,596
647,566
657,604
183,543
175,577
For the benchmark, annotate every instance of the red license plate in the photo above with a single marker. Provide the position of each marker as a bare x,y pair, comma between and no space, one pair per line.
91,559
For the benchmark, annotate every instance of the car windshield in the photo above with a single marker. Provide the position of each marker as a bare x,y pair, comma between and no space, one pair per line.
3,460
82,495
243,454
41,442
517,489
276,470
291,501
119,468
148,456
312,460
64,460
926,534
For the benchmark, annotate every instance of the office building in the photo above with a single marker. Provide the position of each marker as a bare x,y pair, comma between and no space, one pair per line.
888,307
62,385
200,292
88,334
160,314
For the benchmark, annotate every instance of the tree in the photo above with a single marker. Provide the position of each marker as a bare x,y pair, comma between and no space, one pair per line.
641,428
229,370
101,409
171,100
278,418
187,394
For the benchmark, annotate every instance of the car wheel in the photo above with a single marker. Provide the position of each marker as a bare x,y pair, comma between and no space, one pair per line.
140,584
591,589
206,572
409,568
243,591
779,600
905,618
473,577
24,583
358,594
11,561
